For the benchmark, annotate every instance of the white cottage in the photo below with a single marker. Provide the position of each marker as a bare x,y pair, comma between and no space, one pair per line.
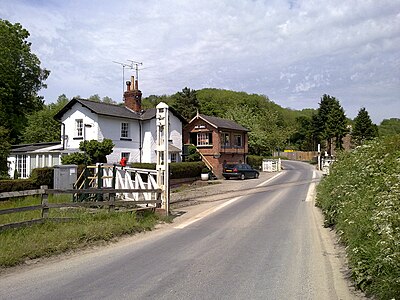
131,129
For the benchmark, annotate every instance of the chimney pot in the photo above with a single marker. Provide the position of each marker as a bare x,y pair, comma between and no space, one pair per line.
128,85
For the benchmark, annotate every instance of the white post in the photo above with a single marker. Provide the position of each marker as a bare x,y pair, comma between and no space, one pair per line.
162,117
319,157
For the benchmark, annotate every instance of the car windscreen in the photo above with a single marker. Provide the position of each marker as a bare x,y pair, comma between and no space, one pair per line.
229,166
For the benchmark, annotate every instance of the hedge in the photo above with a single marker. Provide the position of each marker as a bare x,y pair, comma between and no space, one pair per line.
186,169
177,170
12,185
39,176
361,200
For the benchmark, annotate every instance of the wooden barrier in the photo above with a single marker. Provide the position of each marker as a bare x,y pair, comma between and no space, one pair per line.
45,206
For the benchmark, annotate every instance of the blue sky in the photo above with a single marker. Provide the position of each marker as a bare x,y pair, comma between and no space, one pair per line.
291,51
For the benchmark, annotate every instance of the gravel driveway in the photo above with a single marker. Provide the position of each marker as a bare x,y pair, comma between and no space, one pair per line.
214,190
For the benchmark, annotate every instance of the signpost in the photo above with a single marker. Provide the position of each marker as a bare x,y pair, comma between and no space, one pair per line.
162,118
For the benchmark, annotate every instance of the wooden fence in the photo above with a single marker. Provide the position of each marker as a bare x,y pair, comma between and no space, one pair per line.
298,155
45,206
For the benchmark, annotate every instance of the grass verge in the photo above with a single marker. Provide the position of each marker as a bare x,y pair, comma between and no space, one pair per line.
87,227
361,199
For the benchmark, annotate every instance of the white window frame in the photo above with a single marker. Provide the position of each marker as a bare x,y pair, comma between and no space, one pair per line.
79,127
21,166
124,130
203,139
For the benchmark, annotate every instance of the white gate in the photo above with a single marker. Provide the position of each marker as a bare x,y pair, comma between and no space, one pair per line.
132,178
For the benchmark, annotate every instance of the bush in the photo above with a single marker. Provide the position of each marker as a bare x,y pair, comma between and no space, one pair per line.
205,170
186,169
13,185
43,176
361,198
255,161
77,158
193,155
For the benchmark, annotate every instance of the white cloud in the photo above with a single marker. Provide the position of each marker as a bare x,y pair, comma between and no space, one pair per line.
292,51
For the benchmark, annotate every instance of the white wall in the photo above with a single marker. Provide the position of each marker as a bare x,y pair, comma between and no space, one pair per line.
34,160
150,135
11,160
102,127
149,141
175,129
90,132
110,128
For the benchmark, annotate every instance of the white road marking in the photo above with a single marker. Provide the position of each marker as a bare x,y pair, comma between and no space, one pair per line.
272,178
311,189
206,213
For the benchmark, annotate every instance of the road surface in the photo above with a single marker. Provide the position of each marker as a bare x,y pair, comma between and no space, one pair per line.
267,242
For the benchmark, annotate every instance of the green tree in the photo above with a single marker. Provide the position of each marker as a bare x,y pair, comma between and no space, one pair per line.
108,100
364,129
77,158
152,101
97,151
389,127
330,123
186,103
21,77
4,151
93,152
303,138
95,98
336,127
265,134
42,127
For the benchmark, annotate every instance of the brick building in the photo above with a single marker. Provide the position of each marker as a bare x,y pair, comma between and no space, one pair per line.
218,141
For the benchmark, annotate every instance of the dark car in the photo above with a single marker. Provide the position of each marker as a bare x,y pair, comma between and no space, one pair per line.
241,171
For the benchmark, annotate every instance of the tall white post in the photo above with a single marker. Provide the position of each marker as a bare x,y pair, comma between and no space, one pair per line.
162,166
319,157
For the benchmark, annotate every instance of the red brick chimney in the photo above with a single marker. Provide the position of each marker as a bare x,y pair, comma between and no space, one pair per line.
132,96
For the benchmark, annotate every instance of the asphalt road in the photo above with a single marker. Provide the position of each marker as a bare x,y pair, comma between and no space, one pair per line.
265,243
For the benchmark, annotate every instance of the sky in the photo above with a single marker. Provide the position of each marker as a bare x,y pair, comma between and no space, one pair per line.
291,51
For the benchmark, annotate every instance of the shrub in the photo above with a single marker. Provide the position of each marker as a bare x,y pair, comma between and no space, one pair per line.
97,151
77,158
193,155
186,169
205,170
361,198
17,185
255,161
43,176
